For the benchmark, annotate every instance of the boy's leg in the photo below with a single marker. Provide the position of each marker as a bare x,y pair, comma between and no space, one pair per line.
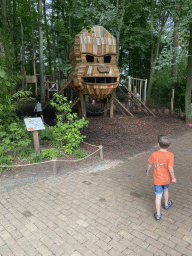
158,203
166,196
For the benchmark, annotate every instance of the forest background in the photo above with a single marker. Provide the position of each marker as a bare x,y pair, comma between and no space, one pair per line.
153,38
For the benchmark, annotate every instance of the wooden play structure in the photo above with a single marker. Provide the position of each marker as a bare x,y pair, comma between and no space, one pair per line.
94,72
51,87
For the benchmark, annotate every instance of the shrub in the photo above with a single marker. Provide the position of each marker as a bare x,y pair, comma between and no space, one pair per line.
66,132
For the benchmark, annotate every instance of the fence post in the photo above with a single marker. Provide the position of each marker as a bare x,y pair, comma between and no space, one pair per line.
101,152
172,100
54,165
145,91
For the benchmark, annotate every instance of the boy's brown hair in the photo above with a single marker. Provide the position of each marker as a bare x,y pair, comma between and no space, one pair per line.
164,141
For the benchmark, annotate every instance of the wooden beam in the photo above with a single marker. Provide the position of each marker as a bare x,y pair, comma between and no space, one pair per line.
144,106
47,104
105,107
134,101
83,108
123,107
75,102
111,106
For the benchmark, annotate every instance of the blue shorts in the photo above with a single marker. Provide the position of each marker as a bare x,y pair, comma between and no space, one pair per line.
159,189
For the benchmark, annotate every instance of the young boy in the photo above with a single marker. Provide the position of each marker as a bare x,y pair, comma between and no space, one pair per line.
163,173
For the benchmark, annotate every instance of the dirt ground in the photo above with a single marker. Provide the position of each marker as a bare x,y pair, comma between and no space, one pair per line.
124,136
121,137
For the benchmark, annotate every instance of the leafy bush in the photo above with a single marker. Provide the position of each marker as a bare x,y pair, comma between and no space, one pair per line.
79,153
66,132
49,153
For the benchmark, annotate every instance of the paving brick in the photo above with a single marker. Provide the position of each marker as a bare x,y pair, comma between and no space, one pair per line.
91,246
127,243
156,251
76,254
188,239
167,242
140,251
114,252
56,250
126,235
5,251
170,251
150,234
89,253
140,242
136,227
129,252
101,252
44,251
103,245
104,237
139,235
5,235
116,245
30,250
183,250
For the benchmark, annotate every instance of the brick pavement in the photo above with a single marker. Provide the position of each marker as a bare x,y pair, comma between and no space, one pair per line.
104,213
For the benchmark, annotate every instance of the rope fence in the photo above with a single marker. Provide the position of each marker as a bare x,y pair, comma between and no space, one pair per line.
54,159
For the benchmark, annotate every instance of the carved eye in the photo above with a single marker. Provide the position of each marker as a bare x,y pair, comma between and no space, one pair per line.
89,58
107,59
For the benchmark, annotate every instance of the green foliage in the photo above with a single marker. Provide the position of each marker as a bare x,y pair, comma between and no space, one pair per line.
163,84
79,153
49,153
66,132
35,158
46,135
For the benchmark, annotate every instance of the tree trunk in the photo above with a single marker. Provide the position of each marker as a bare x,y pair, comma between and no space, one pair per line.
22,47
163,21
53,39
4,37
189,83
175,44
42,84
47,36
32,29
151,46
119,29
15,33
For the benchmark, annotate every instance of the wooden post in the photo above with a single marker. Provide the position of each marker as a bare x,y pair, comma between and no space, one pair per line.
101,152
83,108
129,101
172,100
105,107
36,142
142,104
111,106
140,88
54,165
123,107
145,91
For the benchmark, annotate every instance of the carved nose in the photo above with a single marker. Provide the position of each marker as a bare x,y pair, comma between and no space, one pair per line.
103,69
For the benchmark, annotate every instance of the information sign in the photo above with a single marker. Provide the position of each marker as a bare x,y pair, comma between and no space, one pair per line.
34,124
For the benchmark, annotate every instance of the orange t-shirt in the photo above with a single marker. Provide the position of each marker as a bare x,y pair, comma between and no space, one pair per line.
161,160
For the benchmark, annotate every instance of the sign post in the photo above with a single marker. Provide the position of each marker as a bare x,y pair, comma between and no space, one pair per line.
35,124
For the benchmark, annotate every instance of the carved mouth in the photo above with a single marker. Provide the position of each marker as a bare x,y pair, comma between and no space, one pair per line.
100,80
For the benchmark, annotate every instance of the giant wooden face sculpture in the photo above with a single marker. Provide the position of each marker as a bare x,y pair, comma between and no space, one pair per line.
93,55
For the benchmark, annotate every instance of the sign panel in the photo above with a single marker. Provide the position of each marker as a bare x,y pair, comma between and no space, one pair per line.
34,124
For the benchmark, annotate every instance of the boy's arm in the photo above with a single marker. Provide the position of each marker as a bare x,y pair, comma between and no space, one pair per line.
172,174
148,169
